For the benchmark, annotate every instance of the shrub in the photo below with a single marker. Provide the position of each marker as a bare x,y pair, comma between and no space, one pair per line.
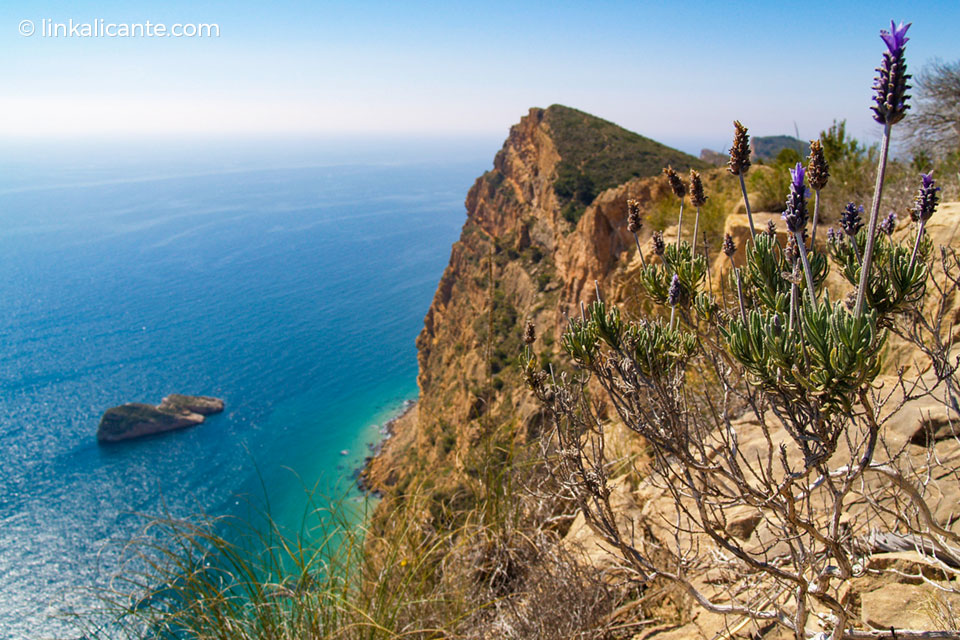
763,413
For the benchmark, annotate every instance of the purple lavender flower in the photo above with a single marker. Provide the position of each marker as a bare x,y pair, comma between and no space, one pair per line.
896,38
926,200
850,220
673,295
889,224
831,235
795,214
891,83
797,174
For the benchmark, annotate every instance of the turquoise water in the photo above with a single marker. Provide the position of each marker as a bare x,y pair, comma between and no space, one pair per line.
294,293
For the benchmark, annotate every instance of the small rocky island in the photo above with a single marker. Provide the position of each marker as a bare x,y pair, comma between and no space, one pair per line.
135,419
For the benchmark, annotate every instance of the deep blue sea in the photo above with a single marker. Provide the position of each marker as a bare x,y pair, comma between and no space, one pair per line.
290,285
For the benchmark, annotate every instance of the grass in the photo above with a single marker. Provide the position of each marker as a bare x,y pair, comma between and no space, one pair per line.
218,578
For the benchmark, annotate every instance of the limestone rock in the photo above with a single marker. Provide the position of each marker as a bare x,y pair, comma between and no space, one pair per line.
903,606
179,403
135,419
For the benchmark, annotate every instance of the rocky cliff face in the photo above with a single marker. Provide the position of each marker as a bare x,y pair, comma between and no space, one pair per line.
522,255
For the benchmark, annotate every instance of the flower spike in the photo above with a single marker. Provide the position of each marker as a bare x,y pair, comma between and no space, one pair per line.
673,295
850,220
818,171
679,189
658,245
795,214
891,82
697,197
738,165
740,151
729,248
530,333
889,224
634,223
926,200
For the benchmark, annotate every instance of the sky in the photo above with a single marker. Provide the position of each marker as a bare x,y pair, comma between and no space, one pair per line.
676,72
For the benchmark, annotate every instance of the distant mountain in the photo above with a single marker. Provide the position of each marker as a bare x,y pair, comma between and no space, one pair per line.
767,147
713,157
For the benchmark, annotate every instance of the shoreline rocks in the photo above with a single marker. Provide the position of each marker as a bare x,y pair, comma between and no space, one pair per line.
381,467
136,419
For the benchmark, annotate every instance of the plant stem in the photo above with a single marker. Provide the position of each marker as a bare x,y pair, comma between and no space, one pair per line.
916,245
643,262
872,227
793,303
816,218
793,292
723,290
673,313
696,228
856,248
746,203
680,225
806,267
707,258
743,311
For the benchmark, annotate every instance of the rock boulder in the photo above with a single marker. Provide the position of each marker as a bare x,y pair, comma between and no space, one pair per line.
135,419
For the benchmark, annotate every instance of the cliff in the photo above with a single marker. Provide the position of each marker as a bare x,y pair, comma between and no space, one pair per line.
542,226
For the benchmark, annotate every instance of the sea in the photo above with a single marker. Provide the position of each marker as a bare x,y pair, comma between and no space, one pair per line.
289,277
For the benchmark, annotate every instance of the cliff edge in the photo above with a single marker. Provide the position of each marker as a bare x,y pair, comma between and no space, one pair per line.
542,225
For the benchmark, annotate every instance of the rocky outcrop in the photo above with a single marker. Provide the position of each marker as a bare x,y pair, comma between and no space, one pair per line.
135,420
521,256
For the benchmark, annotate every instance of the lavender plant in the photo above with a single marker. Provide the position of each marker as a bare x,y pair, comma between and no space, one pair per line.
764,426
795,216
891,106
697,198
634,224
739,164
818,172
924,206
680,190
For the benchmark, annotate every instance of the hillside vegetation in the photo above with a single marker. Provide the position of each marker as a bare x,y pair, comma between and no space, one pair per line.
596,155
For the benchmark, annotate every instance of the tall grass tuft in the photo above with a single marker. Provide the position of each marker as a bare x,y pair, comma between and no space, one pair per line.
208,578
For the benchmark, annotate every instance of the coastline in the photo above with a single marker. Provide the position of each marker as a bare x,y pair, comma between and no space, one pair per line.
379,469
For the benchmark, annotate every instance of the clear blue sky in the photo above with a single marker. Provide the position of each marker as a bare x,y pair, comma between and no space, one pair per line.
679,72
